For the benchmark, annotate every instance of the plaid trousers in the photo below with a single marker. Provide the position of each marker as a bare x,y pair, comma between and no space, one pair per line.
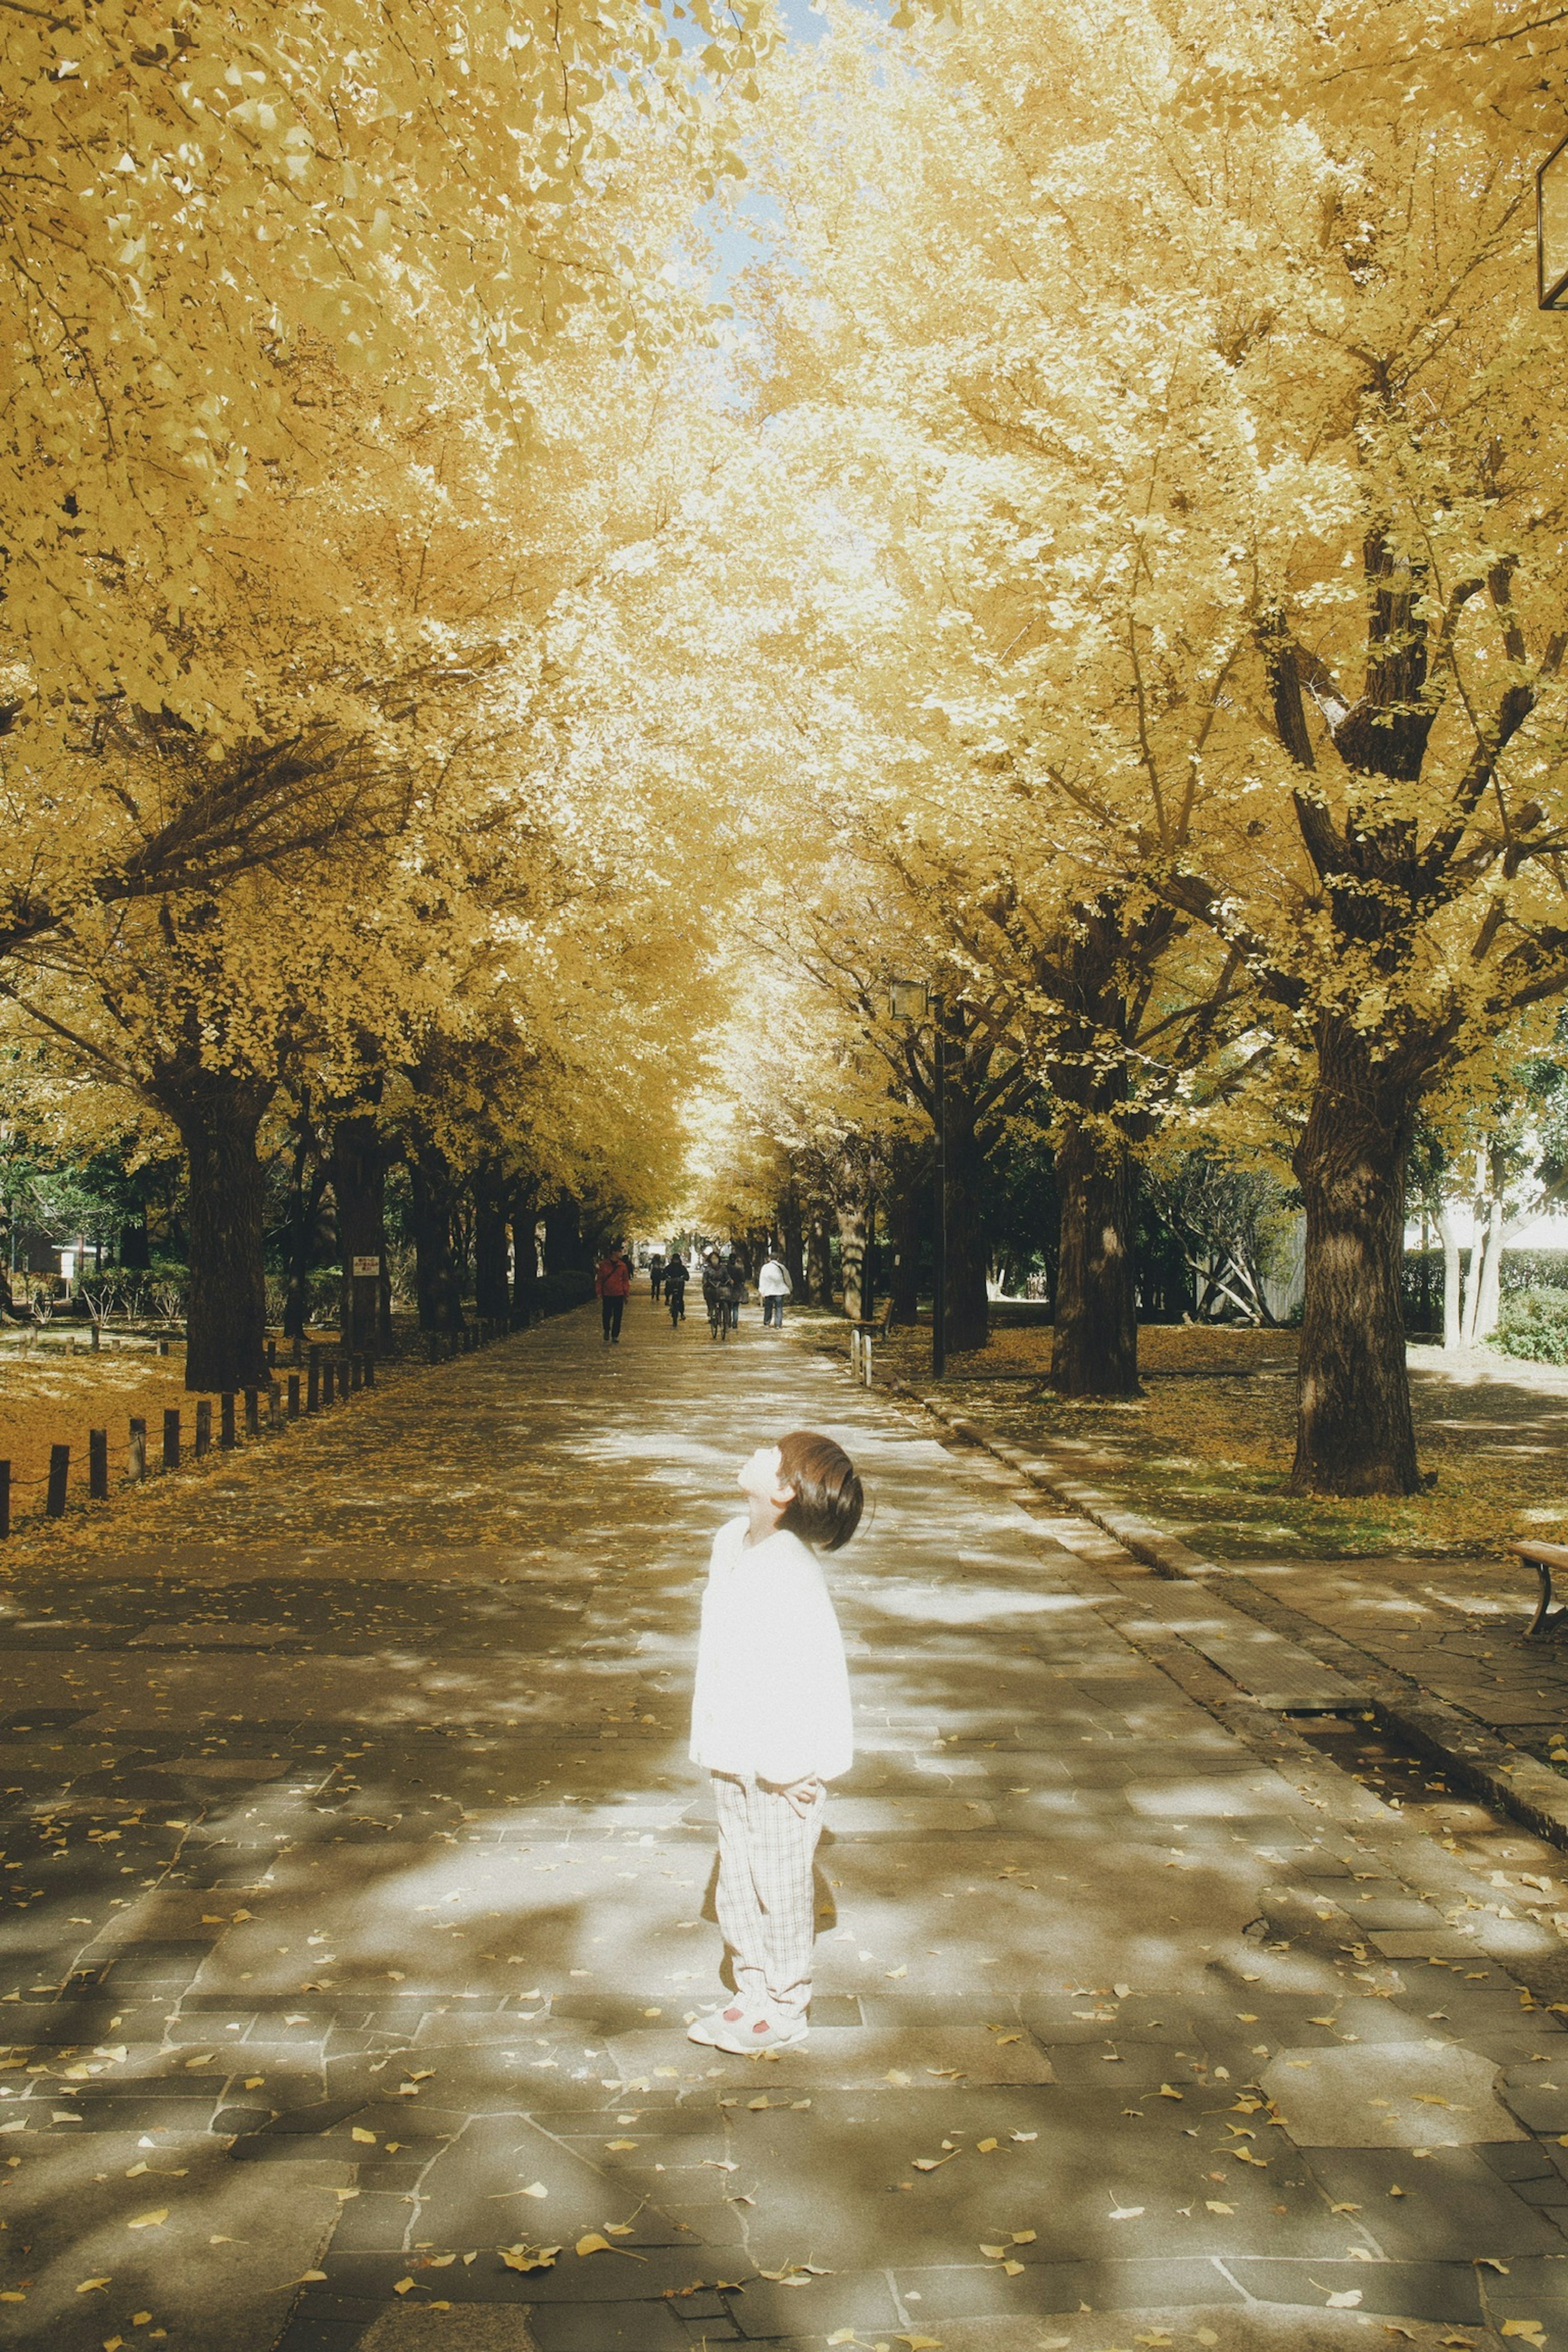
766,1895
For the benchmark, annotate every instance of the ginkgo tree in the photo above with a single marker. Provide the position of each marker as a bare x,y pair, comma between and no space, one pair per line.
190,192
1230,450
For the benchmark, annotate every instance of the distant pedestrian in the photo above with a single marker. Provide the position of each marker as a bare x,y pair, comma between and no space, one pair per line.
771,1721
656,1273
675,1281
712,1294
774,1286
612,1282
731,1295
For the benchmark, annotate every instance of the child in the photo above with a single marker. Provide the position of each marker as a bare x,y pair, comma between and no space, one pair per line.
771,1721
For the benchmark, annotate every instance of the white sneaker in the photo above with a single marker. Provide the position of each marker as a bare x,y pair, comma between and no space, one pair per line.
718,2020
757,2032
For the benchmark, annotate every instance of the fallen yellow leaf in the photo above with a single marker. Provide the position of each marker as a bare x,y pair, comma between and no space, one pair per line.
153,2220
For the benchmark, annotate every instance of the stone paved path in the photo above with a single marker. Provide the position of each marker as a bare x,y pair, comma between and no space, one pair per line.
357,1891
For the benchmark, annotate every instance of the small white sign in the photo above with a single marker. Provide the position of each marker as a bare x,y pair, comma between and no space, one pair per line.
367,1266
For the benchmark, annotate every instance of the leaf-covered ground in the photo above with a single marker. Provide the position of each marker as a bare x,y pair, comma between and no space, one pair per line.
49,1397
1206,1449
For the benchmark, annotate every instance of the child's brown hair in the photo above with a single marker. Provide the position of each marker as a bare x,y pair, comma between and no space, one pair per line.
828,1497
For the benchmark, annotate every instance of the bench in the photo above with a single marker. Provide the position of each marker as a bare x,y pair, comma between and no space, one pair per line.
1543,1558
862,1335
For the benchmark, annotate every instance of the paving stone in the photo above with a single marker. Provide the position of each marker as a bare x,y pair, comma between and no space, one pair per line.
617,2328
1437,2291
1448,2198
1539,2106
472,2328
848,2057
1414,2097
982,2290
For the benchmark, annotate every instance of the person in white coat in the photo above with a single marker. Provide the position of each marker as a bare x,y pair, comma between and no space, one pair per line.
774,1286
770,1722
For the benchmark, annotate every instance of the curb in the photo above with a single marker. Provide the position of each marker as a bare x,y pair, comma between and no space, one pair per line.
1167,1555
1471,1752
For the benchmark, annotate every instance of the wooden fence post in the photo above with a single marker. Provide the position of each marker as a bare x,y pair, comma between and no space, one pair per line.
273,1396
272,1355
252,1413
370,1372
138,1450
98,1465
204,1426
59,1473
172,1438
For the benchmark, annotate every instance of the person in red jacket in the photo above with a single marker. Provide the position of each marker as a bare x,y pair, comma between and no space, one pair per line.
612,1282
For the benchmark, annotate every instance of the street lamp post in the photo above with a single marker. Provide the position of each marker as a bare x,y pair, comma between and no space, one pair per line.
1551,230
911,1000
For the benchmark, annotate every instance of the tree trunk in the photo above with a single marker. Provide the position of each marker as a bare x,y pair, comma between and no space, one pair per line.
968,1308
301,1210
492,1301
1485,1301
524,1217
793,1237
1354,1430
852,1256
906,1201
563,1234
1453,1337
1094,1345
431,1196
869,1264
358,1188
219,1114
819,1263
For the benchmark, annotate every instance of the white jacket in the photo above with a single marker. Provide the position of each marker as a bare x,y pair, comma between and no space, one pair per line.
773,1279
771,1694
